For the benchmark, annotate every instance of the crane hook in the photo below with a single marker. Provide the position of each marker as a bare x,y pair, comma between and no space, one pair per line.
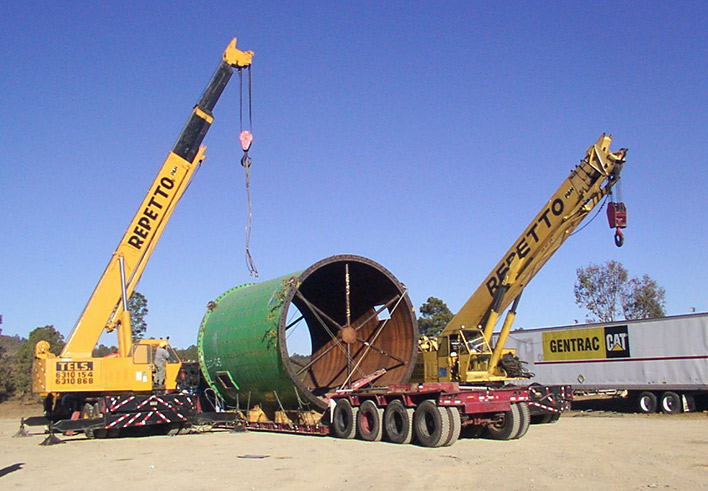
619,237
617,217
246,138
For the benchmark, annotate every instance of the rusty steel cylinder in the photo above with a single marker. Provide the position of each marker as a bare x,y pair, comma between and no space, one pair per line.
351,318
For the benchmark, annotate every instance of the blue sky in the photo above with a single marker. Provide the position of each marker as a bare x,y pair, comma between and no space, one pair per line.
422,135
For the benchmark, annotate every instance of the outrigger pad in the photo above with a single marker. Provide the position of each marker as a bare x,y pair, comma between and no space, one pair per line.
52,439
22,431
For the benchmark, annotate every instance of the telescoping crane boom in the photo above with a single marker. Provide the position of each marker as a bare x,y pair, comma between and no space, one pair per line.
74,377
464,351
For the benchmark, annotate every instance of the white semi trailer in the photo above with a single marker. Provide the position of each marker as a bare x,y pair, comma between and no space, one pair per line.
661,363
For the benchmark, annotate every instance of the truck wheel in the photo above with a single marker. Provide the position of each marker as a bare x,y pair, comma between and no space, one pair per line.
368,422
398,423
508,427
670,403
646,402
344,420
431,424
455,425
525,420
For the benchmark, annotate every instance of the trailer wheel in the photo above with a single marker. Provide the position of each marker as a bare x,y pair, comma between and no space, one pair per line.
369,422
431,424
525,420
646,402
670,403
398,423
508,427
455,426
344,420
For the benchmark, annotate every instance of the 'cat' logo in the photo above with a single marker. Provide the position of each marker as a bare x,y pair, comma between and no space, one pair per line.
617,342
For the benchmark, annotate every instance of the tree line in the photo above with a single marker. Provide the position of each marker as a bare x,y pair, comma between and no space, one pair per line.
606,292
17,353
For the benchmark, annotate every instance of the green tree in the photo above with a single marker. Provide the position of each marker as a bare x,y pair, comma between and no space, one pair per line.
102,350
5,374
188,354
434,316
138,307
607,292
647,300
22,370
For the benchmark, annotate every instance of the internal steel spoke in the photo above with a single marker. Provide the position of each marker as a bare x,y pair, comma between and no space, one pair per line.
347,291
293,360
376,348
316,359
294,322
378,332
375,314
316,310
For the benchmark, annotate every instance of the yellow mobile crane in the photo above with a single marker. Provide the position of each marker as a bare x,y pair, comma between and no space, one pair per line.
463,351
115,392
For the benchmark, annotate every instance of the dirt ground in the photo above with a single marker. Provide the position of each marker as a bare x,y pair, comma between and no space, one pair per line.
584,450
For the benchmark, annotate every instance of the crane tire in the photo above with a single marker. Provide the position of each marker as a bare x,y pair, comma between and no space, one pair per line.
646,402
508,427
369,422
431,424
670,403
455,426
398,423
343,420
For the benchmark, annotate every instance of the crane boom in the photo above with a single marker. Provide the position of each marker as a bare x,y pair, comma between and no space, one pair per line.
106,308
587,184
466,340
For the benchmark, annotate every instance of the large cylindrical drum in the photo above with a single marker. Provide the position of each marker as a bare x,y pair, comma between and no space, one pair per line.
293,340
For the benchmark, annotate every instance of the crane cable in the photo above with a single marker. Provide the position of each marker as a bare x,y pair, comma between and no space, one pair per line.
246,139
599,209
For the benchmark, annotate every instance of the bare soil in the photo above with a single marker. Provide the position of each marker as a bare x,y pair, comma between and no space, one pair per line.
584,450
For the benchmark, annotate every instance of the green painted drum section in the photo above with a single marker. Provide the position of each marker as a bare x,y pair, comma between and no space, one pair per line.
238,345
357,315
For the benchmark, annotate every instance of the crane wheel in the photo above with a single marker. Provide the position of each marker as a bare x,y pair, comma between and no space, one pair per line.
369,422
431,424
343,420
507,427
398,423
